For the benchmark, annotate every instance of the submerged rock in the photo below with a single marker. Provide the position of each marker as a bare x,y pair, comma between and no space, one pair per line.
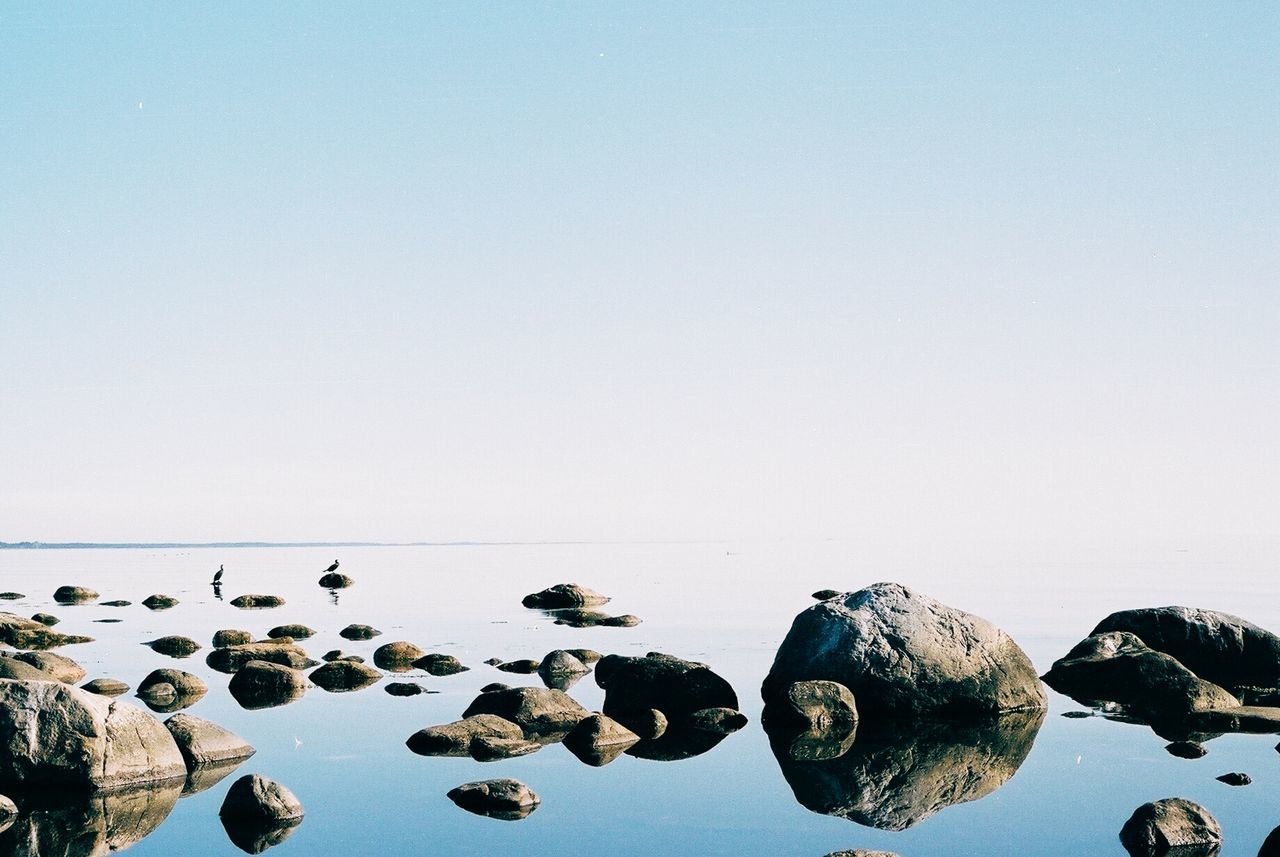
260,684
359,632
203,742
537,710
895,774
1175,822
454,739
175,646
524,666
231,637
901,653
1118,667
118,602
440,665
335,580
255,602
343,676
159,602
506,799
57,735
564,595
397,656
74,595
587,656
11,596
598,740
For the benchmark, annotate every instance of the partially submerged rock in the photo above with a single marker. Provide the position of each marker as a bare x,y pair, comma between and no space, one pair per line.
1235,778
159,602
1156,827
440,665
560,669
577,617
256,602
723,720
335,580
454,739
343,676
403,688
814,706
523,666
11,596
359,632
901,653
564,595
233,658
231,637
1118,667
1186,749
23,633
672,685
53,734
505,799
174,645
256,798
599,739
184,690
397,656
74,595
46,619
537,710
116,602
203,742
260,684
484,748
105,687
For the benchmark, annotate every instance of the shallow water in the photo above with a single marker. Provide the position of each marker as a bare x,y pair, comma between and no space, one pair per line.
729,605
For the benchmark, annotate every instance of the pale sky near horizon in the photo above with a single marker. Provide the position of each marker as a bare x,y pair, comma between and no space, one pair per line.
912,272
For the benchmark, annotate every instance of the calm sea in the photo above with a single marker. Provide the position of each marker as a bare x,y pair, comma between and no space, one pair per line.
728,605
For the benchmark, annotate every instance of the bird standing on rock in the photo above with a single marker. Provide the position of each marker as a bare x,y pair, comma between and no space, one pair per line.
217,576
333,567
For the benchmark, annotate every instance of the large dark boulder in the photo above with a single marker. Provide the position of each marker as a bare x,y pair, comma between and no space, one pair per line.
1155,828
904,654
1118,667
537,710
672,685
1218,647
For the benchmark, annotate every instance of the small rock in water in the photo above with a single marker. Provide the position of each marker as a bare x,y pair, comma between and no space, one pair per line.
598,740
564,595
484,748
454,739
523,666
587,656
184,683
397,656
105,687
440,665
494,685
255,602
403,688
561,663
335,580
506,799
826,594
297,632
159,602
722,720
257,798
232,658
1235,778
1077,715
74,594
650,724
174,646
343,676
108,621
118,602
231,637
1158,826
1186,749
259,684
359,632
46,619
11,596
493,662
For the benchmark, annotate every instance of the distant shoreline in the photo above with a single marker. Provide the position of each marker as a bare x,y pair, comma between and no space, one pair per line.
225,545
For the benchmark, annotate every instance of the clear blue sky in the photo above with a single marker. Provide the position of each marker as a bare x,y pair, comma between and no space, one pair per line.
650,271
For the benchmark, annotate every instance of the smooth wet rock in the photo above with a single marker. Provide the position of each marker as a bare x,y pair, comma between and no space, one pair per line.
1235,778
46,619
175,646
261,684
74,595
184,683
76,824
454,739
159,602
506,799
524,666
105,687
895,774
403,688
23,633
901,653
672,685
440,665
398,656
814,706
343,676
359,632
599,739
1218,647
564,595
258,798
537,710
1186,749
335,580
231,637
53,734
203,742
484,748
1118,667
257,602
1156,827
723,720
233,658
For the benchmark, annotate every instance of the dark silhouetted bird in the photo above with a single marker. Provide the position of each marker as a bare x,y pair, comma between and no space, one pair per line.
217,576
333,567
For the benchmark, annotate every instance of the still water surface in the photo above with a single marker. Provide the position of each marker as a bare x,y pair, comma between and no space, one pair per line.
728,605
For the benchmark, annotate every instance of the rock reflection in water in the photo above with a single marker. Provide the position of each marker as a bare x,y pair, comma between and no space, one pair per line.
678,742
253,836
88,825
204,777
892,778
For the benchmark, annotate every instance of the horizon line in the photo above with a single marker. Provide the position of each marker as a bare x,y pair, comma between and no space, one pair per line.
37,545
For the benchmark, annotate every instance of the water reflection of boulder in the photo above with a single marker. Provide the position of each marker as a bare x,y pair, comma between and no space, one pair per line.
253,836
893,776
89,824
680,741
